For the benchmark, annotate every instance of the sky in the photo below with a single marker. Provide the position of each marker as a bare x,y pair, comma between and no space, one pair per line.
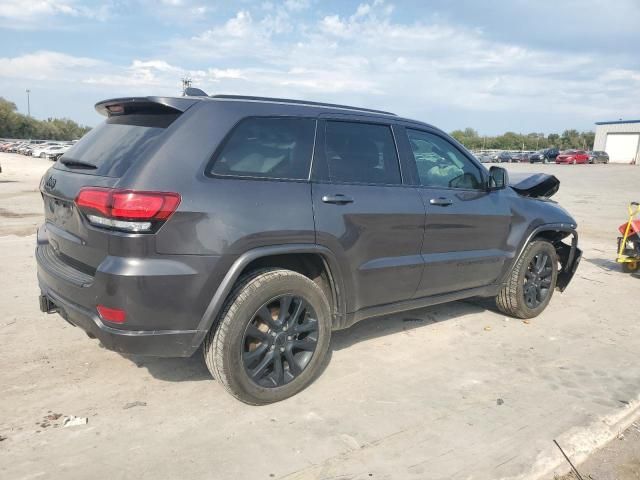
493,65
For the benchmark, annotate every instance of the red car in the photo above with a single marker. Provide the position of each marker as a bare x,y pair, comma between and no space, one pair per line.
573,157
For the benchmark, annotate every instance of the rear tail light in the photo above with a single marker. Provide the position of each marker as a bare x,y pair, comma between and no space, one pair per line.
113,315
126,210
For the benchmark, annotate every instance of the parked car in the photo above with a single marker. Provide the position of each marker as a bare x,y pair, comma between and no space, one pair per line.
598,157
37,150
573,157
256,253
551,153
484,157
519,157
23,149
504,157
52,150
539,156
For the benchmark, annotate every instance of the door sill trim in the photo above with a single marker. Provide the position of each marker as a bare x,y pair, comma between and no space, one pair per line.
415,303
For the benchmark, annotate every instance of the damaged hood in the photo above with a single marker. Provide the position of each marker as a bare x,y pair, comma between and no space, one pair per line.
537,185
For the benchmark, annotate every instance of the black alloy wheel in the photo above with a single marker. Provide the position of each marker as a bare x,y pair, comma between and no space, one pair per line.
279,341
537,280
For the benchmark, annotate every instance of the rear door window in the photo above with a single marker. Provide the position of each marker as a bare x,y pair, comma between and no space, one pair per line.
268,147
114,145
361,153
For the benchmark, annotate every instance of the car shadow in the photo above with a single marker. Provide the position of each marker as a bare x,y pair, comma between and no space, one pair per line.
375,327
190,369
194,369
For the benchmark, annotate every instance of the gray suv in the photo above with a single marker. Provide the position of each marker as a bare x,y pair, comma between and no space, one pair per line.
252,227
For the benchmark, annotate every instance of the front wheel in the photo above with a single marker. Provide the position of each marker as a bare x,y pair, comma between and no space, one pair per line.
629,267
272,337
531,283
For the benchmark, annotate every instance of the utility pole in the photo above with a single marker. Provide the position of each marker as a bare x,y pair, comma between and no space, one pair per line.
28,103
186,83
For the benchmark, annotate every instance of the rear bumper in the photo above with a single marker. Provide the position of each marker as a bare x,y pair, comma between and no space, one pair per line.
167,343
164,298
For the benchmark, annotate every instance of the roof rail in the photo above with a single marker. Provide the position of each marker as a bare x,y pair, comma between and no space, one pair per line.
299,102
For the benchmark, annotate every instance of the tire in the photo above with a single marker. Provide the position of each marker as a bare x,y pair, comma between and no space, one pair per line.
227,346
512,299
629,267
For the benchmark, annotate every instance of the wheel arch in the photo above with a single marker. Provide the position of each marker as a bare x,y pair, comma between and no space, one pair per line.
314,261
568,255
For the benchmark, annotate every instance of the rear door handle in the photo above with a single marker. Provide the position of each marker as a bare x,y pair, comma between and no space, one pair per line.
440,202
338,199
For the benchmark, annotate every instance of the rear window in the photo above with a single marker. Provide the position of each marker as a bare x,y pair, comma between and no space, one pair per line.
113,146
268,147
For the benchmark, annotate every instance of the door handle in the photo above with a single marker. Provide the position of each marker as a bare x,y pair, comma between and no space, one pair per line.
338,199
440,202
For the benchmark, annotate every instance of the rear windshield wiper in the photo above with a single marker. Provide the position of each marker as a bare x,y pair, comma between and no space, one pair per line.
78,164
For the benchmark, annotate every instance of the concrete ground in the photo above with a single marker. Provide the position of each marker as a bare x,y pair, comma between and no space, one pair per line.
618,460
456,391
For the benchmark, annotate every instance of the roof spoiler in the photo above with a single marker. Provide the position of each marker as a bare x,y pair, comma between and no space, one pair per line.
127,105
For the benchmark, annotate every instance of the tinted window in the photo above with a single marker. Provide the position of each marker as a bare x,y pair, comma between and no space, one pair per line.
440,164
116,144
268,147
361,153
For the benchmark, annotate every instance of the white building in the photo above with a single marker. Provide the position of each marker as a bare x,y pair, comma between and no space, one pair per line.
620,139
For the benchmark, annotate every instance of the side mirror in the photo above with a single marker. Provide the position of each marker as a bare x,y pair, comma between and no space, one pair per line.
498,178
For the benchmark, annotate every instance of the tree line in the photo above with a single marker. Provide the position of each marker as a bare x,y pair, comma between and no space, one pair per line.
531,141
17,125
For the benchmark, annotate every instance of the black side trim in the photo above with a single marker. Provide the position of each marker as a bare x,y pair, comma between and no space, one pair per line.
415,303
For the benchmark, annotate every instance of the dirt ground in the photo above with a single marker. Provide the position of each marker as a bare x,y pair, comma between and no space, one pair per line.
456,391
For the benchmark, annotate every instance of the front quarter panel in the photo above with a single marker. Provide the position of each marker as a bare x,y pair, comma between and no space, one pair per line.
531,216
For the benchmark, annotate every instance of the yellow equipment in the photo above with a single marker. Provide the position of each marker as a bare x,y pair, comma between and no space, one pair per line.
629,243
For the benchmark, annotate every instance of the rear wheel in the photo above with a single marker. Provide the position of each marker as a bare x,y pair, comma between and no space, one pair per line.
272,337
531,283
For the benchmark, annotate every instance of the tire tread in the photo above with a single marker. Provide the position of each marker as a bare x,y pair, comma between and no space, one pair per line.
509,300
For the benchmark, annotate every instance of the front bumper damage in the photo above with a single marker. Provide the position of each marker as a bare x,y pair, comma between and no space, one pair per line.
569,257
